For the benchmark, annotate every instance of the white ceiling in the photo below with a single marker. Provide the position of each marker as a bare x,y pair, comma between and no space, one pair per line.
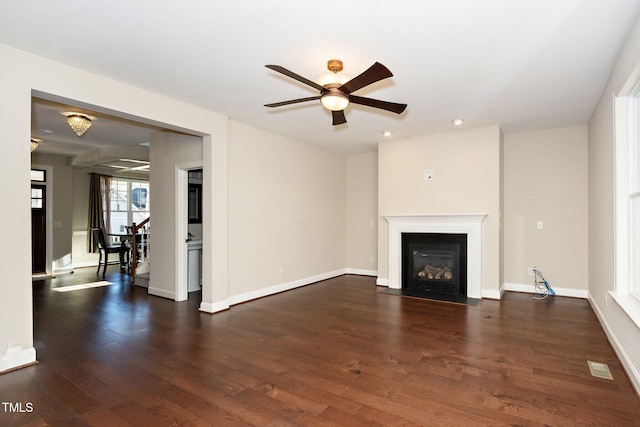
522,64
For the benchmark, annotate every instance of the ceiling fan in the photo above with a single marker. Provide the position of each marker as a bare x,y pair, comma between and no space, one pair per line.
336,95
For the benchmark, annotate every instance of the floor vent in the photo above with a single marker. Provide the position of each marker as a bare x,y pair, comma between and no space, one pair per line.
600,370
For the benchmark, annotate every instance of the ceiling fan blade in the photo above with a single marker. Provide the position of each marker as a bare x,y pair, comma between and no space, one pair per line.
293,101
384,105
338,117
373,74
295,76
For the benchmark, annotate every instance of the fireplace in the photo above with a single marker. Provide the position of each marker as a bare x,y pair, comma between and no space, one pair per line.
434,263
469,225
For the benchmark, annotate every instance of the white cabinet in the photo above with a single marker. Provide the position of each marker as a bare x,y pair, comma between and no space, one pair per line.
194,266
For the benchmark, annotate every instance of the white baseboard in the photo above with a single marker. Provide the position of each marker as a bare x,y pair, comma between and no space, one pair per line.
488,294
381,281
562,292
626,361
361,272
215,307
260,293
17,357
162,293
85,264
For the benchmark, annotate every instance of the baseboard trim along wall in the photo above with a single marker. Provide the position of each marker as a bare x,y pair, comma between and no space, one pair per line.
17,357
260,293
361,272
626,361
215,307
561,292
162,293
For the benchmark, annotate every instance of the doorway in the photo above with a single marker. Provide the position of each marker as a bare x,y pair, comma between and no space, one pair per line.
189,190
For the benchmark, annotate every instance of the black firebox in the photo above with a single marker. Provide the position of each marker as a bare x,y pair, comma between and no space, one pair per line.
434,264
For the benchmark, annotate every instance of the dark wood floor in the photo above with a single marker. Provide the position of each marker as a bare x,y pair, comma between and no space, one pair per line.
337,353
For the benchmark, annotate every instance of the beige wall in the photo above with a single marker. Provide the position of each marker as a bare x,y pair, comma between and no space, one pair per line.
286,212
168,149
362,213
24,74
466,180
623,332
546,180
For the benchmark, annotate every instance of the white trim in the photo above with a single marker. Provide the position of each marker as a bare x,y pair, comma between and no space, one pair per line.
260,293
361,272
626,361
491,294
382,281
182,226
561,292
469,224
214,307
161,293
82,264
17,357
629,304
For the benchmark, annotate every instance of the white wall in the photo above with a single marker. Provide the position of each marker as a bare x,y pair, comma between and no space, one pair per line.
362,213
546,180
623,333
467,170
167,149
20,75
286,213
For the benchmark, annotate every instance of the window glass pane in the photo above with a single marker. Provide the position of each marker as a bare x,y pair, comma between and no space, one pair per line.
140,196
129,203
119,222
36,193
119,198
36,203
37,175
634,204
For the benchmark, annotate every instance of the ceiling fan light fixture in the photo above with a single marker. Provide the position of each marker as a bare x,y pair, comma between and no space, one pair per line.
334,101
80,123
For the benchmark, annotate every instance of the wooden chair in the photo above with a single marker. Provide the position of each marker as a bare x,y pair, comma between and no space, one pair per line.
105,250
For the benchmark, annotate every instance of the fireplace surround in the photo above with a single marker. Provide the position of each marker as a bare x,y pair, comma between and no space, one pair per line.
469,225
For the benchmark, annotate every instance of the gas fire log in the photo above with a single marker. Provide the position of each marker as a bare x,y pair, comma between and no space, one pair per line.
437,273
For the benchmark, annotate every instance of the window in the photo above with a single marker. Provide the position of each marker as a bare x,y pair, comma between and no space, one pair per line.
38,175
129,203
633,190
37,197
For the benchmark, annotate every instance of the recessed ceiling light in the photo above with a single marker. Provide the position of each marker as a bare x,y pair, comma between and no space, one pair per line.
457,122
387,133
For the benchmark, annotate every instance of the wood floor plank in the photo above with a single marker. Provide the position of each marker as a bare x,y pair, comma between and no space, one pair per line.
334,353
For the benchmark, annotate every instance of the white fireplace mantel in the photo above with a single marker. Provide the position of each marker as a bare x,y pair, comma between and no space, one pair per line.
471,225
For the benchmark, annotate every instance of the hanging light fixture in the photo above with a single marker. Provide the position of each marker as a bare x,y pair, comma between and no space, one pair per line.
78,122
333,99
34,143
